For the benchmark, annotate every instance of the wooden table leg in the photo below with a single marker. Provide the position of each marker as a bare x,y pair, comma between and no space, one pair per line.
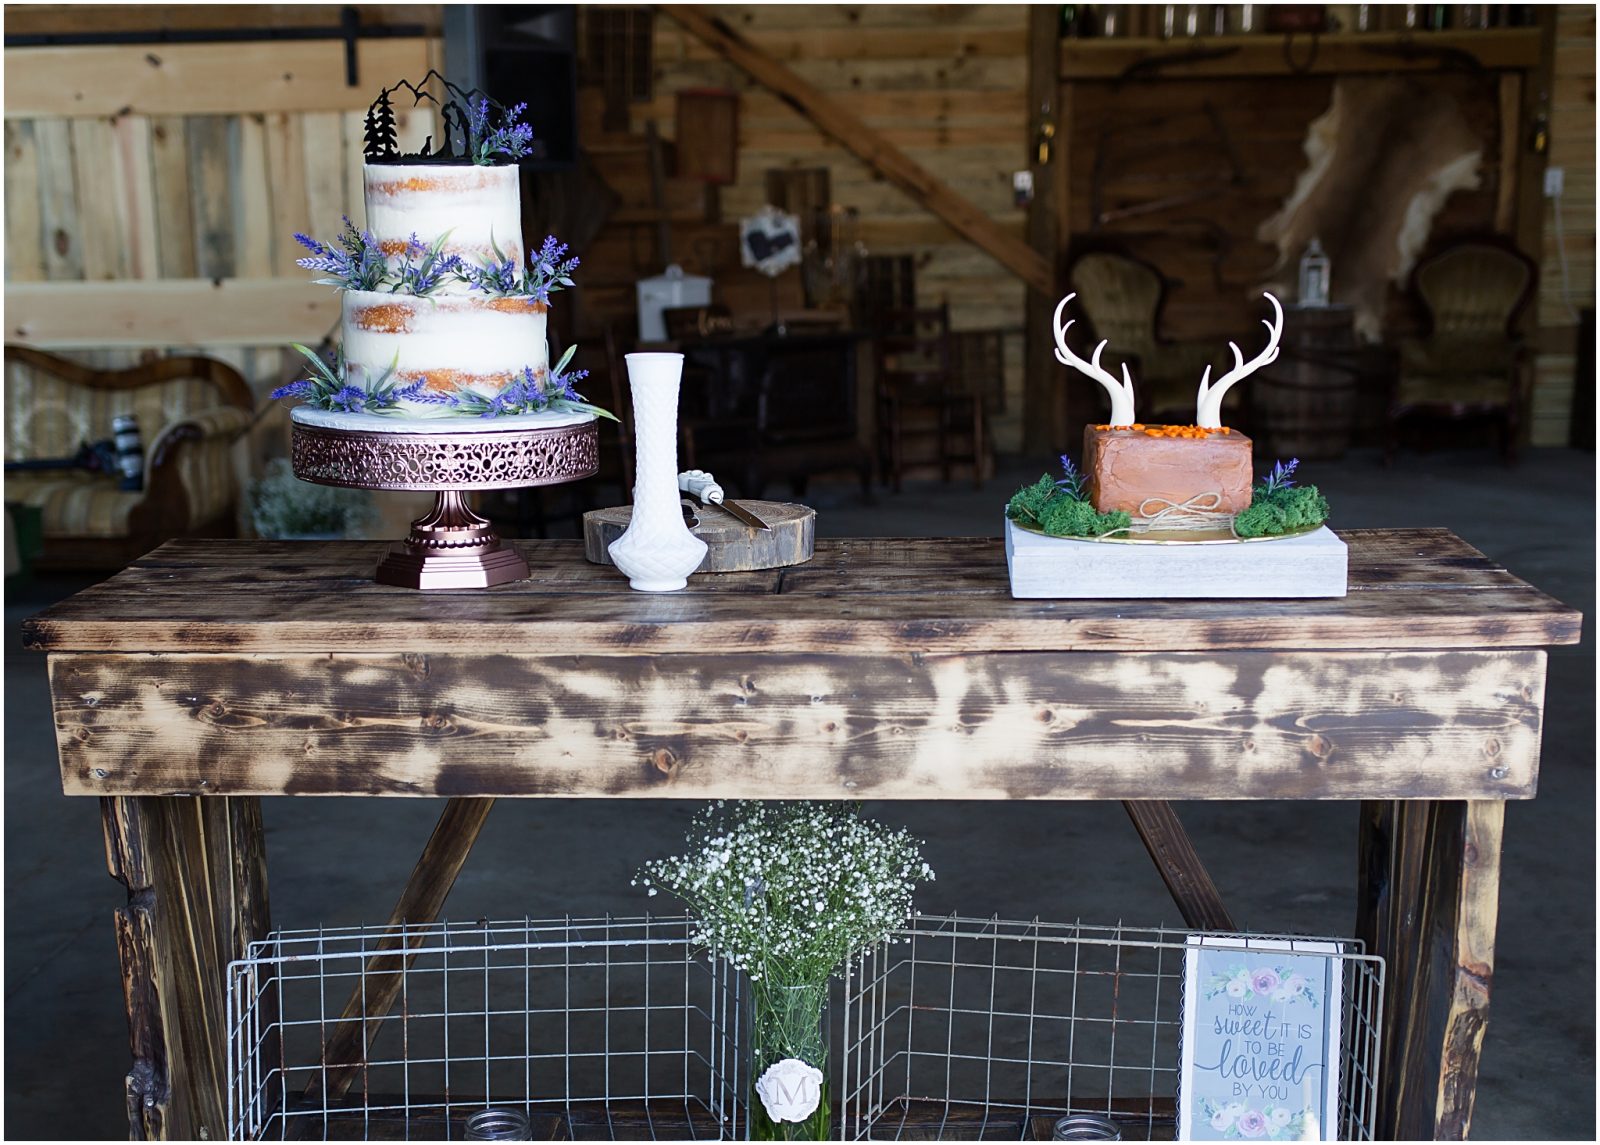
1174,855
1429,898
196,875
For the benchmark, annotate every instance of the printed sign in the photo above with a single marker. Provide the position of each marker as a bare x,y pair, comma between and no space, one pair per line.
1260,1040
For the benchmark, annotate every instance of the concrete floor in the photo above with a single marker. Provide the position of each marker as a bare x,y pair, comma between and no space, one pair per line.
340,862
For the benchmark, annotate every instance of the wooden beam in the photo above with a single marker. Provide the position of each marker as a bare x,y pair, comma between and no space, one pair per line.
1174,855
374,995
168,312
868,145
254,77
1428,887
1049,130
1216,56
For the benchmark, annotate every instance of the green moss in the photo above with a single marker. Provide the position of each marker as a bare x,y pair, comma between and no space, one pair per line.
1051,509
1273,512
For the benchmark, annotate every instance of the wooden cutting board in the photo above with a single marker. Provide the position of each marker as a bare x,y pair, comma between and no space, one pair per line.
731,545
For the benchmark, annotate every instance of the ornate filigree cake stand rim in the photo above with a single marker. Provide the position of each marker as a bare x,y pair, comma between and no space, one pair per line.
445,459
450,546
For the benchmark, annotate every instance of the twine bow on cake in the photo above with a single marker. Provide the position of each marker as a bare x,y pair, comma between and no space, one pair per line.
1197,514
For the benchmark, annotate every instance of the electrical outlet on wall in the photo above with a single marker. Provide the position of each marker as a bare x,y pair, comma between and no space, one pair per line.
1555,181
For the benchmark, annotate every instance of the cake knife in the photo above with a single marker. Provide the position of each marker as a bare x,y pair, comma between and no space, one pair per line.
701,485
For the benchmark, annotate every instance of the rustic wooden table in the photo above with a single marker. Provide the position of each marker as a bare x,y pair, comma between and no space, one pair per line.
885,669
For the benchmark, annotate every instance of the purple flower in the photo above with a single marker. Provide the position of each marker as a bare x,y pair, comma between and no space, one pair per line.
349,399
304,388
1251,1123
1072,483
1264,981
509,137
1282,475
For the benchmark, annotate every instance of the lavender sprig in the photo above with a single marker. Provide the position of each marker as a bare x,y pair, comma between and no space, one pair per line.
355,264
530,393
549,270
509,137
423,269
1073,483
327,389
1281,477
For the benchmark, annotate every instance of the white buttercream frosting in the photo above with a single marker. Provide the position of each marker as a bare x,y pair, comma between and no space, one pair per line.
459,342
474,205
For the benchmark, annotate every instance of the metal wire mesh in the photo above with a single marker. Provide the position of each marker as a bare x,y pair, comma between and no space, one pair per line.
593,1028
975,1029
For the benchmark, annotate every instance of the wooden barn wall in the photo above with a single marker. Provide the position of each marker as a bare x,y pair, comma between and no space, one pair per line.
1572,131
945,83
154,212
1129,141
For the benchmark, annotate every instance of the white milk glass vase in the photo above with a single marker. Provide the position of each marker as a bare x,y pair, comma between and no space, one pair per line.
658,552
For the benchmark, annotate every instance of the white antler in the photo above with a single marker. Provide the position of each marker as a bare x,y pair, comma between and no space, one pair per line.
1208,413
1121,392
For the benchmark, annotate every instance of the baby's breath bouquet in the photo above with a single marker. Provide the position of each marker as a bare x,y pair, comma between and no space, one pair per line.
788,893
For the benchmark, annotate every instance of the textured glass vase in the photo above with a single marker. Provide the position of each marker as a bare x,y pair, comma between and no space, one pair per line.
789,1025
657,552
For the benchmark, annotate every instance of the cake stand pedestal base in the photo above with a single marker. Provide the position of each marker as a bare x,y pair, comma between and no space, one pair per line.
450,546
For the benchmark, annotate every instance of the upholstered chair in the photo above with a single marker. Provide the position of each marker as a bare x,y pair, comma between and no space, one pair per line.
1471,364
190,411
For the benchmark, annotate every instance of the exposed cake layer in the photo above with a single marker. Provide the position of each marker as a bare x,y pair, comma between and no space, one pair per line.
1153,466
453,342
479,207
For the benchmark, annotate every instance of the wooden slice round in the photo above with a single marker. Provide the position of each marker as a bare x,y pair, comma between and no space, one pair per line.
731,545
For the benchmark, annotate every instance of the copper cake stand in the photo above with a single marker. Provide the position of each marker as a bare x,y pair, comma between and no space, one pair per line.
450,546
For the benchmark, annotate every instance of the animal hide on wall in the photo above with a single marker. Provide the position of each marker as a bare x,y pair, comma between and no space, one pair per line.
1382,160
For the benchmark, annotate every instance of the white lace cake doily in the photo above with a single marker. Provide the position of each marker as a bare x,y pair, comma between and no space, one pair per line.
399,423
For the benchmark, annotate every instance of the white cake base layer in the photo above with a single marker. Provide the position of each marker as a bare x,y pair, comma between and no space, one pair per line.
390,423
1059,568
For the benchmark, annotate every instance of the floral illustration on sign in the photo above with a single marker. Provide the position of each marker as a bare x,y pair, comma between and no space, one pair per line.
1235,1119
1274,983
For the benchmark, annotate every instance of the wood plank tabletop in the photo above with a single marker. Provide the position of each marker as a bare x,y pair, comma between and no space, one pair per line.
1409,589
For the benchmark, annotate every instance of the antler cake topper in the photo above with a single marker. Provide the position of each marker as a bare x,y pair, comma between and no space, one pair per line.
1208,411
1208,407
1121,392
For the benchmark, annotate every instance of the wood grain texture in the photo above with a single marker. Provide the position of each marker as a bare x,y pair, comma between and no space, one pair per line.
1345,53
1179,863
802,89
199,79
1428,903
1239,725
195,872
172,311
731,545
1409,589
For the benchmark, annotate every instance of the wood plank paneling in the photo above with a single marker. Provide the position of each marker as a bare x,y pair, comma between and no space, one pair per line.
58,199
169,312
1567,262
945,84
24,224
1011,725
201,79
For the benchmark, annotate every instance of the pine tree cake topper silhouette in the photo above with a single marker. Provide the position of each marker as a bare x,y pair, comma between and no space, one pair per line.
476,129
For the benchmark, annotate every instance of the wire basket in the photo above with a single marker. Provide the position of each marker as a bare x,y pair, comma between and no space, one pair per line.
974,1029
591,1029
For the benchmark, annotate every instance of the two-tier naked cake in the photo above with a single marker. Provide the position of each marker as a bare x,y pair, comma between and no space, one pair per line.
1162,510
443,306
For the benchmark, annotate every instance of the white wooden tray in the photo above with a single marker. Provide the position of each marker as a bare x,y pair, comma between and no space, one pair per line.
1311,565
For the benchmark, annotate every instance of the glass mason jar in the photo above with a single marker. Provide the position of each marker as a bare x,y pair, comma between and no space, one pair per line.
789,1022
